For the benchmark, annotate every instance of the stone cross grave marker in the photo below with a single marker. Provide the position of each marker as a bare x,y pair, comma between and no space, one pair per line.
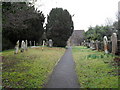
105,41
17,47
114,43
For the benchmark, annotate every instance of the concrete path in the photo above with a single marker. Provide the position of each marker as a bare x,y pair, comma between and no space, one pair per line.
64,75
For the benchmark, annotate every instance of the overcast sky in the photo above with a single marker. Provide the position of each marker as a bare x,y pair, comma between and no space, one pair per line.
87,12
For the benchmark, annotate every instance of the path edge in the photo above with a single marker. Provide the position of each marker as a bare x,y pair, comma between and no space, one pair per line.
50,74
75,68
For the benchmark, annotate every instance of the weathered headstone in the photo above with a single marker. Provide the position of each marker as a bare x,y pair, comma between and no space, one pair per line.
22,46
84,42
34,43
26,43
105,41
50,43
114,43
17,47
30,43
97,45
92,45
43,44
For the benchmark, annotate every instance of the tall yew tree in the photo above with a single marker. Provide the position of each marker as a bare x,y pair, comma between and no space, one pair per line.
20,21
59,26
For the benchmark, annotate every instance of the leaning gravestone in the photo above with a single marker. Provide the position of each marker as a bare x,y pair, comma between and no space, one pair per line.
105,41
50,43
17,47
114,43
22,46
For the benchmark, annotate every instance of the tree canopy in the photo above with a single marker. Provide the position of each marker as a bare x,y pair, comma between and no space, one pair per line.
21,21
98,32
59,26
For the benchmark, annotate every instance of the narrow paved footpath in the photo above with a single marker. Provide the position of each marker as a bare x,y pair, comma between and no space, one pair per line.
64,75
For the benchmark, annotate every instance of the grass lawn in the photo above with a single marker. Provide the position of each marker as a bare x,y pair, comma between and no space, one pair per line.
95,69
30,69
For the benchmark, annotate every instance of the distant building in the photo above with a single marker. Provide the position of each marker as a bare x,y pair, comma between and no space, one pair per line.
76,38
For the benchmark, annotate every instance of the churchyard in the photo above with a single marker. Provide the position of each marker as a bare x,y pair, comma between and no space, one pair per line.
32,68
52,54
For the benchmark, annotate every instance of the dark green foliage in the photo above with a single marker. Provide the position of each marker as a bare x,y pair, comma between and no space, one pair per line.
6,44
98,32
21,21
94,56
59,26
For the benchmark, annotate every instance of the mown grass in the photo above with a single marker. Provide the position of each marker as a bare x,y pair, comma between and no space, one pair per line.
95,69
30,69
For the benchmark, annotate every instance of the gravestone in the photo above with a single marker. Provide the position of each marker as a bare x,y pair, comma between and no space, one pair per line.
43,44
34,43
26,45
22,46
97,45
92,45
17,47
105,41
47,43
84,42
50,43
30,43
114,43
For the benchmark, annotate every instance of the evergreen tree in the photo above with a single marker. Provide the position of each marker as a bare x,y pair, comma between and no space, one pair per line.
59,26
20,21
